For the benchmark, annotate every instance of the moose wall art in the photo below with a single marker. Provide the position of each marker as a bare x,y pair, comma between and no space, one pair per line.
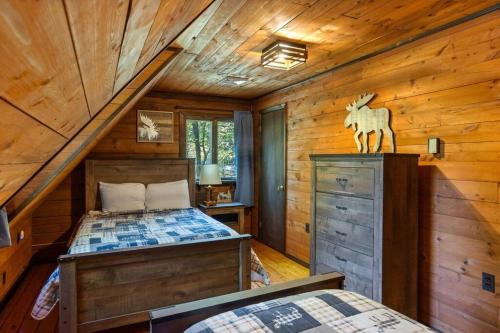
365,120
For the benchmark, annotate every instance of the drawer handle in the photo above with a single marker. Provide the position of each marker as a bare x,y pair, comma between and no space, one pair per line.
342,182
341,259
340,233
341,208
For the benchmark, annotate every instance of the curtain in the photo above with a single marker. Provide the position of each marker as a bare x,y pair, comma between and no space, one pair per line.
243,139
4,229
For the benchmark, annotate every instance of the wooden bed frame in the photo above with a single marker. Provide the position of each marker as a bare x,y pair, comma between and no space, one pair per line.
179,317
102,290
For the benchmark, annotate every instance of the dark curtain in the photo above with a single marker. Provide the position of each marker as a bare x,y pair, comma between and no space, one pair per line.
4,229
243,139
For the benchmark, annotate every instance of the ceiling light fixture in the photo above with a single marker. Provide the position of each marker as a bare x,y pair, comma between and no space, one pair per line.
238,80
283,55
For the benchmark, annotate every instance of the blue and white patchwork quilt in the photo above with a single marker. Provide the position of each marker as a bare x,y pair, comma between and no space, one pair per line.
110,231
336,311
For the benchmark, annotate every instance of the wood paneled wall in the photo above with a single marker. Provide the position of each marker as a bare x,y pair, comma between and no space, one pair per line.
57,216
445,85
15,258
63,61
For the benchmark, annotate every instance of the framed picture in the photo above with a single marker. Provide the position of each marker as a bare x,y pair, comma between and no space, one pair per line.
155,126
223,197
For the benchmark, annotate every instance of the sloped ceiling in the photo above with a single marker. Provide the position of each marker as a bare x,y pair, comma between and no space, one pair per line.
62,61
229,38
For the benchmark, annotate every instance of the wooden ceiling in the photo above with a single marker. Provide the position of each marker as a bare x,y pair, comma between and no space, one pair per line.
63,61
228,38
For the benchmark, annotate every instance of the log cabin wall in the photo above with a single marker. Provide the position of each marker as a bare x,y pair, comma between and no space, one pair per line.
57,216
445,85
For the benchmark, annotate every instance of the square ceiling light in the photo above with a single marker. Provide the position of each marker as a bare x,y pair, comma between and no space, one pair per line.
283,55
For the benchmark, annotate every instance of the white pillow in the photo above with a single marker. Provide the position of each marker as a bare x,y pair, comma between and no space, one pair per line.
170,195
122,197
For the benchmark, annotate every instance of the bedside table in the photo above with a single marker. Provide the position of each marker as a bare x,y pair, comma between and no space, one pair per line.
222,212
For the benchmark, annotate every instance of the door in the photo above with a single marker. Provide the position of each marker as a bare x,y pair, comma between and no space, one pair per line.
272,178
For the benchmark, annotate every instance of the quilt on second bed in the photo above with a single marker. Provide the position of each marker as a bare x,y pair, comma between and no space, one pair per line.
337,311
109,231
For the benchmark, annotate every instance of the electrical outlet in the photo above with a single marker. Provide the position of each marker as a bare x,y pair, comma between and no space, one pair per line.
489,282
307,228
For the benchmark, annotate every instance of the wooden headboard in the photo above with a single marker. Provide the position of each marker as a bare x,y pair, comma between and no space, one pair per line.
146,171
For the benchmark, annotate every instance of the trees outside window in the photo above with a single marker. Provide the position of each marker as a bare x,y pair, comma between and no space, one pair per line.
225,149
209,142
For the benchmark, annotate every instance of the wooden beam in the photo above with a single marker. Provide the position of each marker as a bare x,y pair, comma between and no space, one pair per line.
54,172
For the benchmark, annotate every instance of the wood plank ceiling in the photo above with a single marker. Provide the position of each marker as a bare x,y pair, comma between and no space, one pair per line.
63,61
227,40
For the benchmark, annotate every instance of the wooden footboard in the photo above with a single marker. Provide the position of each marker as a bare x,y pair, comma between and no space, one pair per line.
115,288
180,317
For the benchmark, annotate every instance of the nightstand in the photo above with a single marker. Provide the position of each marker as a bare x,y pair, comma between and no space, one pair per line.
231,213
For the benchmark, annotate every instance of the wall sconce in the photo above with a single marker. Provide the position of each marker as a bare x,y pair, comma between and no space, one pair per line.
434,146
283,55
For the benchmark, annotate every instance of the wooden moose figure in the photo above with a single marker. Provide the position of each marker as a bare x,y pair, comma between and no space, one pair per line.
366,120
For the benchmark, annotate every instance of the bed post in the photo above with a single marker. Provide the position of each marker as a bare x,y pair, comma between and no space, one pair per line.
245,265
68,300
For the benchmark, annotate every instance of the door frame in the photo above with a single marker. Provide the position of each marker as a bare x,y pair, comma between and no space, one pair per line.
277,107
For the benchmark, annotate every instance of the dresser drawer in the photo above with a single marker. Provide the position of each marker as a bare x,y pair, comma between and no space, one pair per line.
344,208
355,266
352,180
349,235
351,282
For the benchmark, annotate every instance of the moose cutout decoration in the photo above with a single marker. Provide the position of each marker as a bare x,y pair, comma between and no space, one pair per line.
365,120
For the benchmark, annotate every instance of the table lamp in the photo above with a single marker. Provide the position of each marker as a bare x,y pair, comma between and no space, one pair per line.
209,176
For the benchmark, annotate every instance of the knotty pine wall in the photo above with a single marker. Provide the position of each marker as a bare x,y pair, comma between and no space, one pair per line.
446,85
55,219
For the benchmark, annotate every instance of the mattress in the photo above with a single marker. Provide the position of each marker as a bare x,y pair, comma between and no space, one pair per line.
318,311
99,232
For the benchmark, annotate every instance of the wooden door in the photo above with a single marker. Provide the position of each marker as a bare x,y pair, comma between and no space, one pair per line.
272,181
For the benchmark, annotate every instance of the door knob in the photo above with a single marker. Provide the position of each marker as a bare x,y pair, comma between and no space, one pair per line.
281,188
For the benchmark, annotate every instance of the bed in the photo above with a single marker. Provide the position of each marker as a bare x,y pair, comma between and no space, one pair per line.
102,286
315,304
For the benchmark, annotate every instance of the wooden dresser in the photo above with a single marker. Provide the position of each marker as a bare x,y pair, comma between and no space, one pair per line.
365,224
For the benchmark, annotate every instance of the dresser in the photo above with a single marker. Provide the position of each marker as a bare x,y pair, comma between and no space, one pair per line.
364,223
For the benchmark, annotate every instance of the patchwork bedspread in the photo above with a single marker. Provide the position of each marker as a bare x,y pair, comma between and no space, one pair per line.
109,231
319,311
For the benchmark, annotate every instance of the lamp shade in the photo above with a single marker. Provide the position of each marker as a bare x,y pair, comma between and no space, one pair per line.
209,175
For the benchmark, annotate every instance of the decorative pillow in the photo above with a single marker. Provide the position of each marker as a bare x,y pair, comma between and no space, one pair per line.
170,195
122,197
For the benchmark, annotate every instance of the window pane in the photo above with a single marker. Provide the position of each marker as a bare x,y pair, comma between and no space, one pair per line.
199,142
225,149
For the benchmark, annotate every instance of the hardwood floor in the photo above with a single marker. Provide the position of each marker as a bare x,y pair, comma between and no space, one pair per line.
15,314
279,267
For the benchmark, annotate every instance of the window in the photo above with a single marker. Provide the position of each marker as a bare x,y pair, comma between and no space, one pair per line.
210,142
225,149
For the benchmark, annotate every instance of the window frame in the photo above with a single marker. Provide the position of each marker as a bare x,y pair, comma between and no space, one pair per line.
214,117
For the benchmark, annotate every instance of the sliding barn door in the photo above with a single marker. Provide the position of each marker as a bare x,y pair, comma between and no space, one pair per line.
272,181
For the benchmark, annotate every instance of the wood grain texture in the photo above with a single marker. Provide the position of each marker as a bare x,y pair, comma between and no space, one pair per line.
39,69
118,287
23,147
15,315
58,213
141,17
170,20
15,258
180,317
437,86
368,242
336,32
139,170
61,165
62,58
97,28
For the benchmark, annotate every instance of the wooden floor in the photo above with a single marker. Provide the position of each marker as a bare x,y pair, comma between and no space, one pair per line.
15,315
